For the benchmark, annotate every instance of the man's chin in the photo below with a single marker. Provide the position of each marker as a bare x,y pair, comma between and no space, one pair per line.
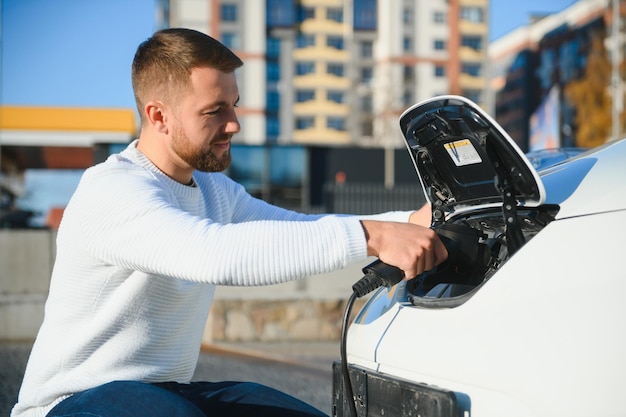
212,164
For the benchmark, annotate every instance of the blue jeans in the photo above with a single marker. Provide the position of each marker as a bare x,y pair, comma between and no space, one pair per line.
170,399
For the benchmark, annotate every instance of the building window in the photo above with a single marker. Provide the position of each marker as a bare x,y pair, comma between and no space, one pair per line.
272,127
439,45
407,98
570,61
439,17
367,74
472,14
306,122
337,123
273,47
231,40
335,96
547,67
474,42
335,14
407,44
304,95
367,103
367,128
335,69
228,12
280,13
273,100
305,13
273,71
367,49
440,71
407,16
409,72
365,15
335,42
304,68
303,41
471,68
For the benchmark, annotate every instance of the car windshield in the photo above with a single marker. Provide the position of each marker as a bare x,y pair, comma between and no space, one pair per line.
545,158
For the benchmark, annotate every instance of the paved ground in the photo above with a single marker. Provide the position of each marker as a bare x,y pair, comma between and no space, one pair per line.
301,369
13,357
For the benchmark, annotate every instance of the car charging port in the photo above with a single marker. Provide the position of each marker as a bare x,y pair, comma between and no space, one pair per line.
470,259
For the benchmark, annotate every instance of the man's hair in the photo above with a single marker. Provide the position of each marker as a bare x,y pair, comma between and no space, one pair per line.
163,63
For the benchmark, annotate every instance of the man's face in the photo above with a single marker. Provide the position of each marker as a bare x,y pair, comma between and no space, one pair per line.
205,120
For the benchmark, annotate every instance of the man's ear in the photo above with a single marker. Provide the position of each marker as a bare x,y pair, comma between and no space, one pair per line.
156,116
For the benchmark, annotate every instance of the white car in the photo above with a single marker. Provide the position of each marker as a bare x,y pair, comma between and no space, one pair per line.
527,317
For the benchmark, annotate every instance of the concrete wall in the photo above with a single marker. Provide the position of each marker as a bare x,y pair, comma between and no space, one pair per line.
306,310
26,259
309,309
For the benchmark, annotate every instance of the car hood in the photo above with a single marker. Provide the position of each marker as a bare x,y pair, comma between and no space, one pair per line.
464,159
592,182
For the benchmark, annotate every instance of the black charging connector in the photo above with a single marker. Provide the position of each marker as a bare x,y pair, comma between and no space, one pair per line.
376,275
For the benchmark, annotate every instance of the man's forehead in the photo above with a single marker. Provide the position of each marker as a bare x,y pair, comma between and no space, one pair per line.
220,84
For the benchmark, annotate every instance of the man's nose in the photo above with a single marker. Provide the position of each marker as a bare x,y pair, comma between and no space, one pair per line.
232,125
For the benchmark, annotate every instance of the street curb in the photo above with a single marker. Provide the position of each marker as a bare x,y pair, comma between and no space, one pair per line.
311,359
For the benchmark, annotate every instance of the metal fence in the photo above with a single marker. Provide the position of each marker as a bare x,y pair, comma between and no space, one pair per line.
367,198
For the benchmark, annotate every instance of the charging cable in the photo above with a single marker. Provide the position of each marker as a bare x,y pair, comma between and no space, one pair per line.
376,275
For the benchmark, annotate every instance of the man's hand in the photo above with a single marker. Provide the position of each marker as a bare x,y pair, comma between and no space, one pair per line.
408,246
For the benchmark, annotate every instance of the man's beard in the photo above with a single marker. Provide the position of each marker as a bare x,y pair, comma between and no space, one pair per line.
199,159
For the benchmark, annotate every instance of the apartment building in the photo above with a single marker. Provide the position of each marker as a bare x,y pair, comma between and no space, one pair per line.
339,72
531,67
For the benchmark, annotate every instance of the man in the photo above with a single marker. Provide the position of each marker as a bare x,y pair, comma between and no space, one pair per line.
151,231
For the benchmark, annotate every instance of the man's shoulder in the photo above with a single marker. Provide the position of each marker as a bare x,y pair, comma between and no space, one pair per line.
117,165
114,180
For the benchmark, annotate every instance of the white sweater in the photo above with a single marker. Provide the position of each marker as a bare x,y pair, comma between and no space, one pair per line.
138,258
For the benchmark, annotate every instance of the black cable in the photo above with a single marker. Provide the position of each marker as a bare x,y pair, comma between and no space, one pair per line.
349,394
377,274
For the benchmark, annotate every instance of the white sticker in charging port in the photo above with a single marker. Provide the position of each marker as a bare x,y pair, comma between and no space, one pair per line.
463,152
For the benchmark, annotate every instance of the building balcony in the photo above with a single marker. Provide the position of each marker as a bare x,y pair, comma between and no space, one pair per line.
467,81
327,81
321,107
321,136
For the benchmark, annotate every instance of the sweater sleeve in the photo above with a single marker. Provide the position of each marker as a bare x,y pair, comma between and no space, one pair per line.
132,222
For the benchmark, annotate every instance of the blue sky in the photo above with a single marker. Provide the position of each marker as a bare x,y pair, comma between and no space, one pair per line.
71,52
79,52
506,15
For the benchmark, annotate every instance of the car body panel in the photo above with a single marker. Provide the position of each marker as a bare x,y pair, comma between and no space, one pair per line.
536,333
594,182
542,334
